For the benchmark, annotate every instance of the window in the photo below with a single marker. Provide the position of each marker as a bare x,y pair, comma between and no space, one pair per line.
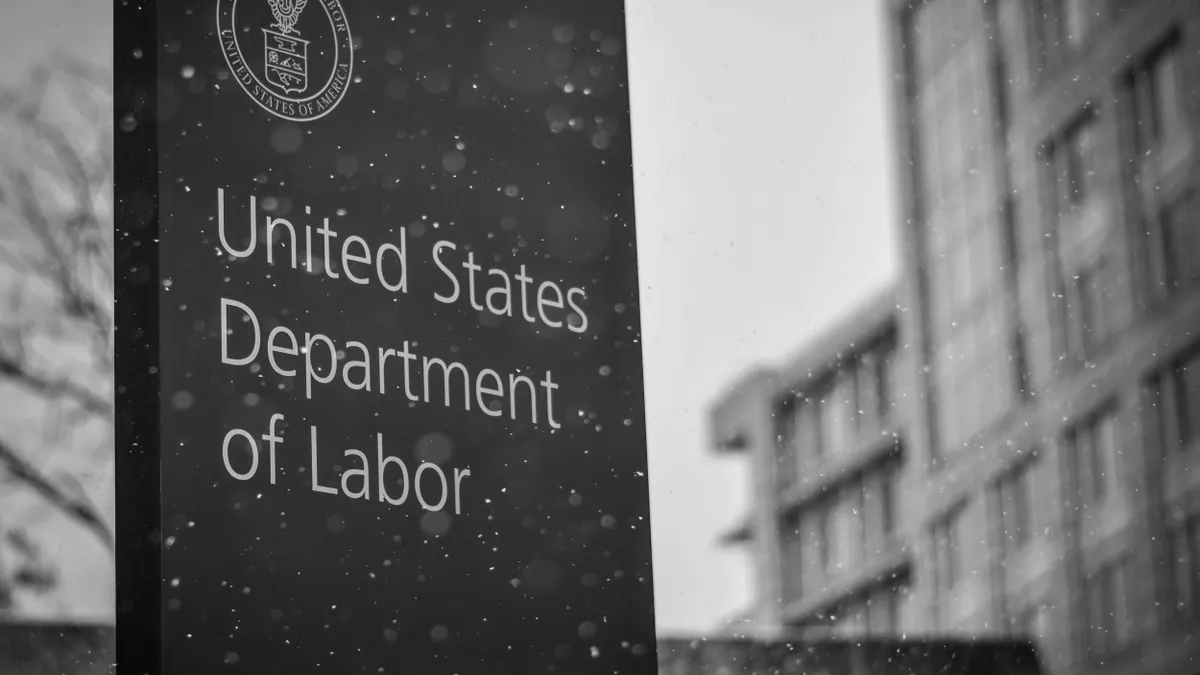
873,387
793,563
787,449
824,538
947,551
1022,377
886,366
1092,282
806,433
1156,84
1109,616
1067,25
1011,244
1094,446
1187,397
847,533
1180,245
867,389
1174,398
1173,243
1014,491
837,415
887,499
883,612
878,510
1093,313
1077,162
1077,17
870,411
1185,569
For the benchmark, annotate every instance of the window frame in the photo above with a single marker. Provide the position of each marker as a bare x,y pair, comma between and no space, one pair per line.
1055,47
1183,207
825,541
1146,89
1016,481
1093,323
1184,576
948,574
1096,488
1164,194
1187,426
792,569
787,434
1075,164
1167,399
1111,624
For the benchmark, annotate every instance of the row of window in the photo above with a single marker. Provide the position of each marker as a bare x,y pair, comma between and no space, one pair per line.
855,525
1015,495
1173,246
981,367
964,214
1094,281
1110,616
1174,394
1093,447
1184,558
1098,476
878,612
834,416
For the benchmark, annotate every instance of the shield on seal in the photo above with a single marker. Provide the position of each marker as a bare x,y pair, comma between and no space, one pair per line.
285,61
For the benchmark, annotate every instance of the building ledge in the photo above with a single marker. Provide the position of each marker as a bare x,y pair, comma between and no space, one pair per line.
877,572
739,534
870,320
835,472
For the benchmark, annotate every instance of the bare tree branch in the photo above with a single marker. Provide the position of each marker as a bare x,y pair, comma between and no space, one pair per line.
81,510
19,372
76,301
56,270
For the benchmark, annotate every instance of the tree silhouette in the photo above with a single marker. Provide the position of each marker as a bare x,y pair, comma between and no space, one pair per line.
56,310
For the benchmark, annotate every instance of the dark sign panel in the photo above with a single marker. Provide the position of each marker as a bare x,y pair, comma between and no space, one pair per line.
400,424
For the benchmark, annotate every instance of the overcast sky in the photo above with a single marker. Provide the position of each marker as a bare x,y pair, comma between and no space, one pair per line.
764,212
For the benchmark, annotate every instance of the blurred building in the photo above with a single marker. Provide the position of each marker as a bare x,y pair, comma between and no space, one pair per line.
826,437
1049,187
1050,438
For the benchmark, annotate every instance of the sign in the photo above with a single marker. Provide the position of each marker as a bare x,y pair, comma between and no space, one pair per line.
394,345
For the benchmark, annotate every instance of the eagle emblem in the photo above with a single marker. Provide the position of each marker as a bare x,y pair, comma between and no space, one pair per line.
286,66
286,12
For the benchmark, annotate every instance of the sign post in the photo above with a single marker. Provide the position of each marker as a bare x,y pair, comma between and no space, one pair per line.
380,373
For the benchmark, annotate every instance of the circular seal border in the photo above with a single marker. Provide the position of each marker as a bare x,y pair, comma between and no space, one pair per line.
226,10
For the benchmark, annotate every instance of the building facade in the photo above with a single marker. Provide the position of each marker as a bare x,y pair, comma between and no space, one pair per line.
826,435
1050,193
1049,381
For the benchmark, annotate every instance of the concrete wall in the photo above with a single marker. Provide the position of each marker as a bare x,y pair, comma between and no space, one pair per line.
681,656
